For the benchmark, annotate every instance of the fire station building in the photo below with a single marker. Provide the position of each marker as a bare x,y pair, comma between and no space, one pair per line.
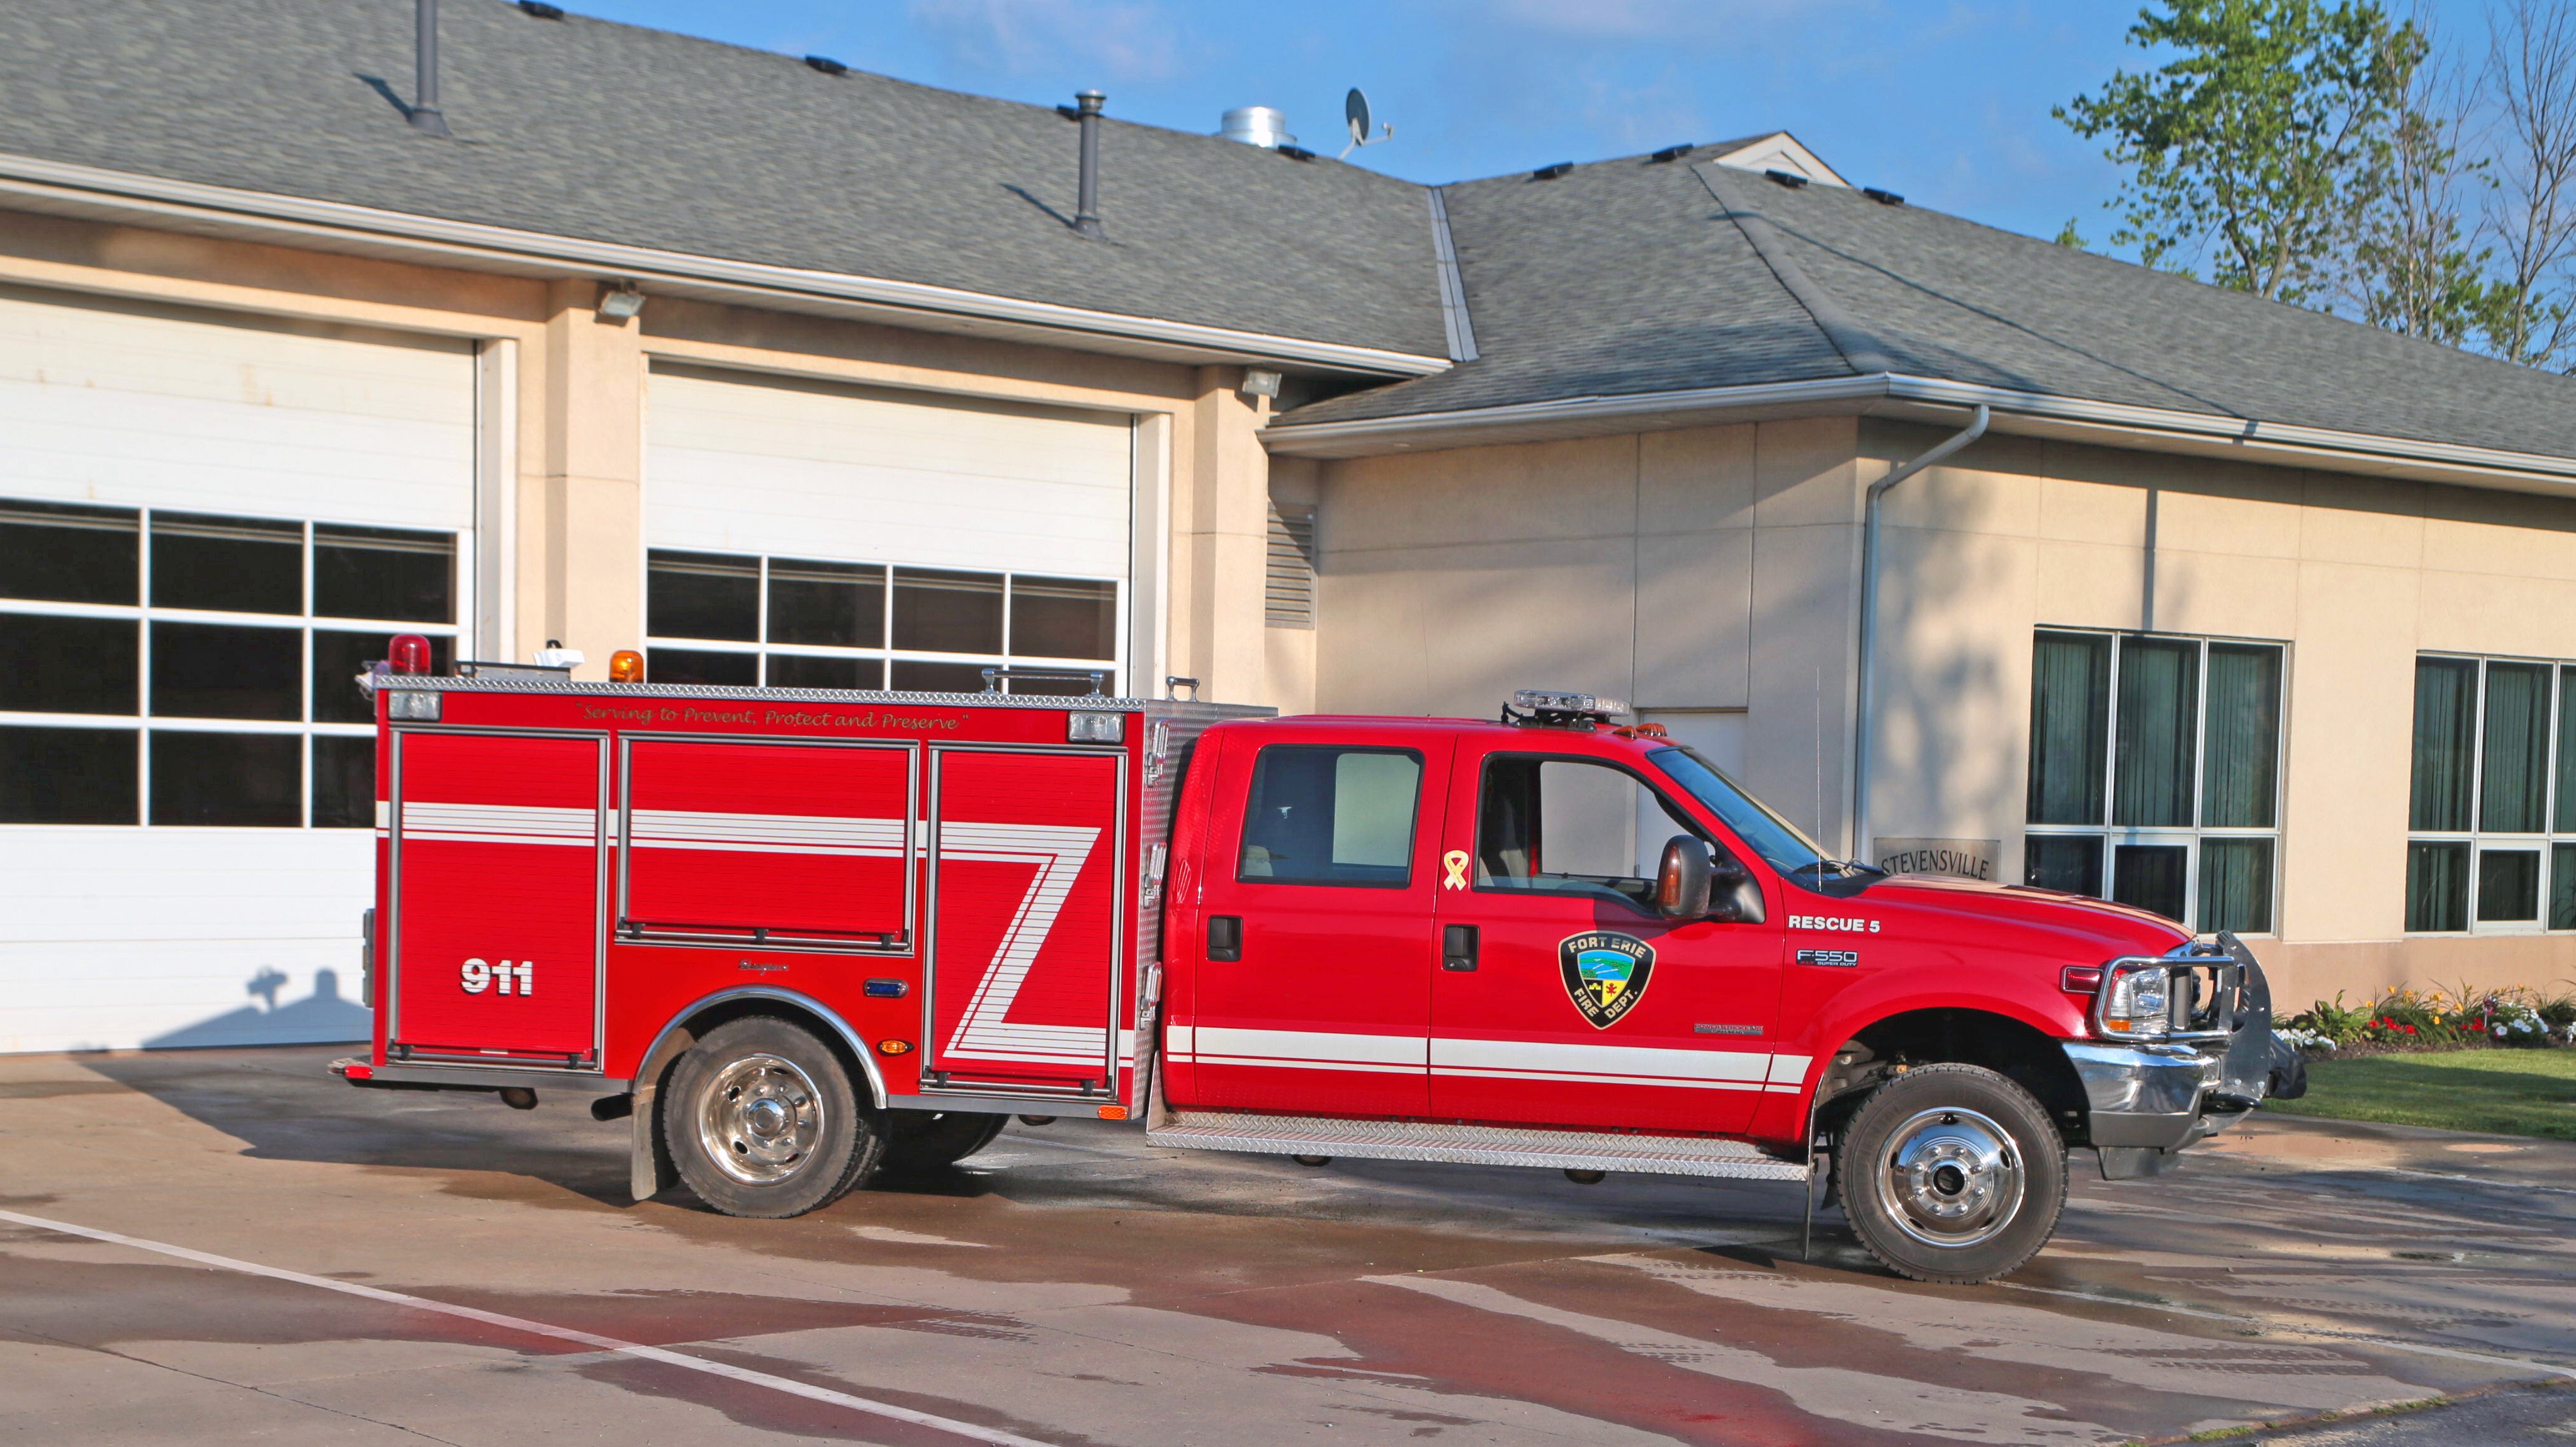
794,375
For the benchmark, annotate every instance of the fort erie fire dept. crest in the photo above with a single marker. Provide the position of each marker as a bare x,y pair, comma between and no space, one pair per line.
1605,973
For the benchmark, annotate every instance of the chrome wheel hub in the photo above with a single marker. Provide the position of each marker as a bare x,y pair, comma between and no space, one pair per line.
760,1120
1950,1178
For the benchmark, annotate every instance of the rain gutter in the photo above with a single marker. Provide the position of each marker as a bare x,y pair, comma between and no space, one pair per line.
156,201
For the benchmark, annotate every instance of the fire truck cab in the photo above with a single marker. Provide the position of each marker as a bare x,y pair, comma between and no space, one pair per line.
799,936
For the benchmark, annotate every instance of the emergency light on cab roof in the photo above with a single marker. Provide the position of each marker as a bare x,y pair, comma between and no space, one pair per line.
910,916
1551,707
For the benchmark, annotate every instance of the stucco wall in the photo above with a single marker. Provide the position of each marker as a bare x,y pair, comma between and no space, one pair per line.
2356,574
1716,569
1631,565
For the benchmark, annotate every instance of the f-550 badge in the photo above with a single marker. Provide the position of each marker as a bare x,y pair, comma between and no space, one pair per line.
1605,974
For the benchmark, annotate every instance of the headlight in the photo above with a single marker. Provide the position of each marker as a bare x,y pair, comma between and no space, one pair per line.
2136,1000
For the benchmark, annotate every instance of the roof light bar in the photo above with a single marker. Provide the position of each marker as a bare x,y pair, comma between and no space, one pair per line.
1557,708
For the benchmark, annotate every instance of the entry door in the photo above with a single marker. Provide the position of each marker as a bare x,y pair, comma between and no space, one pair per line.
499,919
1316,945
1583,1006
1025,927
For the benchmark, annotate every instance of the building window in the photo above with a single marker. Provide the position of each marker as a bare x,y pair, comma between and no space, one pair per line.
1289,592
2491,804
763,622
173,668
2155,768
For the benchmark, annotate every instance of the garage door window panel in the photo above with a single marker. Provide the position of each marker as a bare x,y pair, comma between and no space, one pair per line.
747,621
833,605
233,703
227,565
57,553
944,612
384,573
209,670
1064,618
701,595
68,775
54,664
2155,770
227,780
2492,796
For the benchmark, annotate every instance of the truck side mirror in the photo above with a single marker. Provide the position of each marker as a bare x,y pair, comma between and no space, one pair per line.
1734,896
1682,882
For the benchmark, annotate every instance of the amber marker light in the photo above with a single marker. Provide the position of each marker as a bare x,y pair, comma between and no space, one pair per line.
894,1047
1113,1112
627,666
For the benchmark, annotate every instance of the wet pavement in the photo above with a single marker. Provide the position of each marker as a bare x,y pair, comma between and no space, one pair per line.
363,1266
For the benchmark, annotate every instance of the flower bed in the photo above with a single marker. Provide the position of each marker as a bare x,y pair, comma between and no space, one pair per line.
2411,1020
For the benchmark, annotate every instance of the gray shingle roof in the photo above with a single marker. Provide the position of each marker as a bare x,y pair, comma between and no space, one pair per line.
1629,277
605,132
1623,277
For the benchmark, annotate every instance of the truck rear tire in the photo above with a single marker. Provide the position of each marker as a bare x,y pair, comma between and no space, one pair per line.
761,1121
1952,1173
925,1140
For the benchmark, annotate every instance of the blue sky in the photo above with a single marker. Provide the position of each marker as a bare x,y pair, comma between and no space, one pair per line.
1946,101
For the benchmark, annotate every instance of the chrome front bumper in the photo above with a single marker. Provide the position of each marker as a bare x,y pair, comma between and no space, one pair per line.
2146,1101
2148,1095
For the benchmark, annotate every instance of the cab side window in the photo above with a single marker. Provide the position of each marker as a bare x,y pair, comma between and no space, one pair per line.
1571,826
1324,814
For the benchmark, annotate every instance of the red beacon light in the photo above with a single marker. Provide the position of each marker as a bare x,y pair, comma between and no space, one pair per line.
408,654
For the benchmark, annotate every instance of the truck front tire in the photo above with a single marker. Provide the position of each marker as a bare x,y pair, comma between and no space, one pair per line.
761,1121
927,1140
1952,1173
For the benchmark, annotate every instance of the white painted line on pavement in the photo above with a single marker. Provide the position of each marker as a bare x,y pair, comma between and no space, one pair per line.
538,1328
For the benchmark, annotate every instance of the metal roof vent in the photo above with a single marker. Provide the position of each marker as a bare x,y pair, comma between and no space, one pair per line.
1261,126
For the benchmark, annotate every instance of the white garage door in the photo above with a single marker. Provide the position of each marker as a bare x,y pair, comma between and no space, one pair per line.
813,534
206,524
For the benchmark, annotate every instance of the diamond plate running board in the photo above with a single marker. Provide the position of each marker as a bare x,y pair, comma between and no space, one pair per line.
1470,1145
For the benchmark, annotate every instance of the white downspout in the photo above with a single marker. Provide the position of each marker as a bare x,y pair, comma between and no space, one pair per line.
1865,712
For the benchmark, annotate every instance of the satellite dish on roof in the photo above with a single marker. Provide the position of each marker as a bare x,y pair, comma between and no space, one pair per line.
1355,110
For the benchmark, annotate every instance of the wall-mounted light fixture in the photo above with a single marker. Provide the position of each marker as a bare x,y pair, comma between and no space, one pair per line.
620,301
1259,382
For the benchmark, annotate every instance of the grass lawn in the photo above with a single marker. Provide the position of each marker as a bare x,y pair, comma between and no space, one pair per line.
2498,1092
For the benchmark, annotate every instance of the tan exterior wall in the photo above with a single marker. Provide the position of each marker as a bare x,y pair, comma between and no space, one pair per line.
1632,566
1718,569
566,471
2357,575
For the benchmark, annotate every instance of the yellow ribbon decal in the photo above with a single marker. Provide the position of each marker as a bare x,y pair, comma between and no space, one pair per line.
1455,861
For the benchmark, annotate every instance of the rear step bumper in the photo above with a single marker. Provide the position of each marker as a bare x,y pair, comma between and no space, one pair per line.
1470,1145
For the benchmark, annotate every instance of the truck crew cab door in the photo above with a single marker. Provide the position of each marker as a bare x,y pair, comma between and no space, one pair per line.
1563,998
1315,945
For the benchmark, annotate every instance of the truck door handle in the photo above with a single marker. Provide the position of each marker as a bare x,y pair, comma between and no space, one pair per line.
1225,937
1458,947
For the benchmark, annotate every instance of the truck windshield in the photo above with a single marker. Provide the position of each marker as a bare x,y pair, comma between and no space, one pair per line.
1774,838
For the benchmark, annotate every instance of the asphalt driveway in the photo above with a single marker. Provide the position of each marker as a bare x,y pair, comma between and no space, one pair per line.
228,1244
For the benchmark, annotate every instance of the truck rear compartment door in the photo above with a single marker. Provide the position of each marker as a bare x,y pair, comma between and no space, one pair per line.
788,842
500,854
1026,927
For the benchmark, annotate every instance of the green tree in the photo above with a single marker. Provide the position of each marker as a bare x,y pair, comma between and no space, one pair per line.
2414,266
2260,144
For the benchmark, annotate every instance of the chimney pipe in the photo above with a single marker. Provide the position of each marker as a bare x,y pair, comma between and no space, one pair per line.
426,117
1086,210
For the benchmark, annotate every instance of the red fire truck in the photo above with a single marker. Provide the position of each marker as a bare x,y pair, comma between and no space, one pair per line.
801,935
